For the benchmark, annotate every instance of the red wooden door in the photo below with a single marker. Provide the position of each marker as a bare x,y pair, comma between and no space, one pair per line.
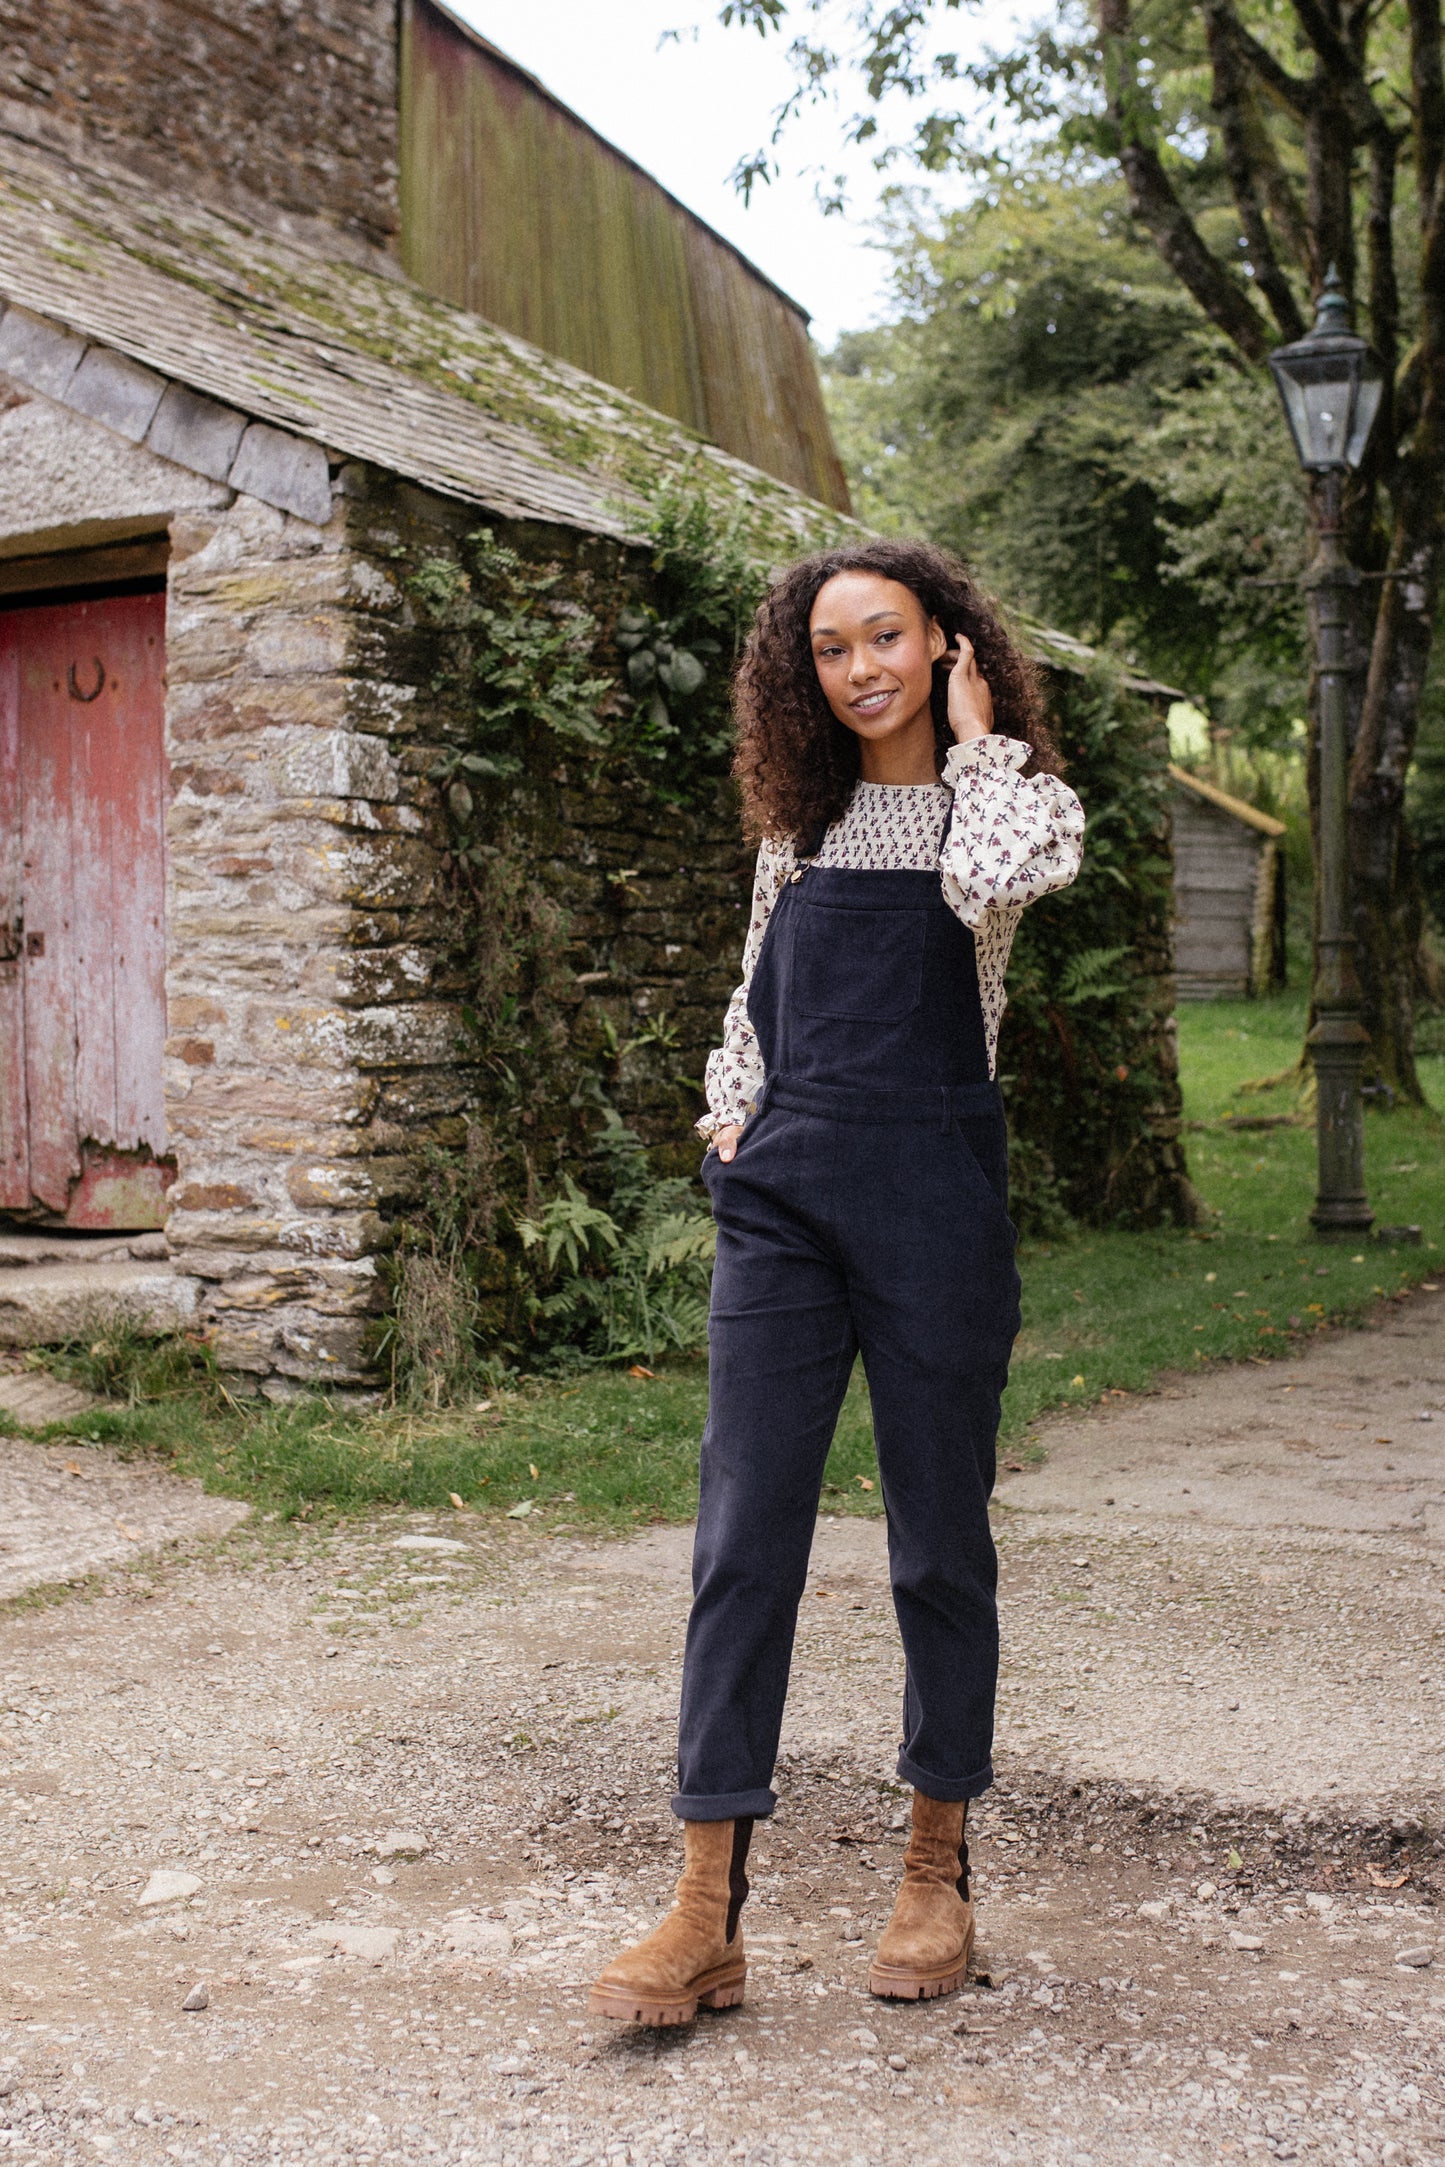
82,912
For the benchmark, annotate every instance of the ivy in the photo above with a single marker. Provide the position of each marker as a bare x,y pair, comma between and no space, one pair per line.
682,644
1086,1058
521,652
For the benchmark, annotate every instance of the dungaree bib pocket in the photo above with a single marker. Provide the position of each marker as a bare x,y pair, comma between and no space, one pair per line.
858,967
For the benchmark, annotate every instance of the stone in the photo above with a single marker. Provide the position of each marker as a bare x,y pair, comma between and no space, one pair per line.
34,1398
1416,1959
288,643
428,1542
167,1887
198,1998
113,389
340,764
485,1938
38,353
373,1944
1246,1941
196,432
355,1181
48,1303
285,470
295,110
402,1843
1157,1911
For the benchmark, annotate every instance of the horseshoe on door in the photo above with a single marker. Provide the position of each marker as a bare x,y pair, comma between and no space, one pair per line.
73,683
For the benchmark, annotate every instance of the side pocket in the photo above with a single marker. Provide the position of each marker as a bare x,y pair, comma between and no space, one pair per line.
985,1138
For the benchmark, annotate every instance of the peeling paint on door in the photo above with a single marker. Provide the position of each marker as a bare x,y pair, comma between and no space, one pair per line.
82,905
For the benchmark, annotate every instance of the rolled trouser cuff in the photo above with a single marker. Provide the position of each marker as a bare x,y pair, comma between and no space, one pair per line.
724,1805
948,1789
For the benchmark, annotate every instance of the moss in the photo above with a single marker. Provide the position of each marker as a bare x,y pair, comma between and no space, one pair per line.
282,298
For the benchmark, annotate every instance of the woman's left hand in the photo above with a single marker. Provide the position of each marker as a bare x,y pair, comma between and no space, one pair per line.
970,703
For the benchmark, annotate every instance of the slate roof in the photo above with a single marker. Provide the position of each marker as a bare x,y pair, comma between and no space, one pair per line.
352,358
248,356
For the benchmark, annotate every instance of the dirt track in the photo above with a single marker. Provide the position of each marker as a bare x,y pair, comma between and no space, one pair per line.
1225,1613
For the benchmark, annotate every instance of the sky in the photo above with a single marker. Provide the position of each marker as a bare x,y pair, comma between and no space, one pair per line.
688,111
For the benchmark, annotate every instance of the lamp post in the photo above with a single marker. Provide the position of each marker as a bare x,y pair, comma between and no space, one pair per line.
1330,385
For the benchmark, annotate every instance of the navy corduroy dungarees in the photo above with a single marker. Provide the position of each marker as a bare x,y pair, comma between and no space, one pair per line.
866,1209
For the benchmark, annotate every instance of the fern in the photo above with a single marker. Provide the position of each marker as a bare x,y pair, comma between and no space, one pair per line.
635,1280
1086,977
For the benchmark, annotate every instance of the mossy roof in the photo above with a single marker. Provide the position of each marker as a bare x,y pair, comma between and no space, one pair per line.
356,357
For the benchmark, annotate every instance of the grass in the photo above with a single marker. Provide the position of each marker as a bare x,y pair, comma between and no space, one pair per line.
1103,1313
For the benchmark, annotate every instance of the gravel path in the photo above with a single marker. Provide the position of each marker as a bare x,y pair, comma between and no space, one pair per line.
414,1779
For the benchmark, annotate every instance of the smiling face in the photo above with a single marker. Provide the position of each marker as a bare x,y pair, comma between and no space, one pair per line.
874,649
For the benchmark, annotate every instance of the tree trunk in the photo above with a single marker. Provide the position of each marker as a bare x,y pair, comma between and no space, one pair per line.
1385,891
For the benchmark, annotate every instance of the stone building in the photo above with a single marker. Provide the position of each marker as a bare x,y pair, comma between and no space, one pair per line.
242,397
228,421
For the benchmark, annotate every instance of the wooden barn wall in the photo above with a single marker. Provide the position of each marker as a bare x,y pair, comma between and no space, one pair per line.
511,207
1216,878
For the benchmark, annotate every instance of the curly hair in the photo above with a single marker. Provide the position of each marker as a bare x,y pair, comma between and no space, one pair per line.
795,763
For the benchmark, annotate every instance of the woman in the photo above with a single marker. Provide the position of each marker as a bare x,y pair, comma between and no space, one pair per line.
893,758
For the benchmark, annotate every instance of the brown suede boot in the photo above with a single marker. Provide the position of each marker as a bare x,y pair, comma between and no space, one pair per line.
695,1958
926,1944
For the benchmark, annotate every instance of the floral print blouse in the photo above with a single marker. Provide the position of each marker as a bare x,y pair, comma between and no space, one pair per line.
1014,838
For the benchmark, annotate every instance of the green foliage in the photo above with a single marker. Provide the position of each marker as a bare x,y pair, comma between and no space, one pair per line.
627,1283
1427,806
1050,404
1085,1058
524,653
117,1352
706,585
430,1339
634,687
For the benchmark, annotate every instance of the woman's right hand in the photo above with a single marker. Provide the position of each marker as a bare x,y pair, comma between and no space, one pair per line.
726,1139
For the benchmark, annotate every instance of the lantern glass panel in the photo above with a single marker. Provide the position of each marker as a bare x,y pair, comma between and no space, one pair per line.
1367,406
1318,394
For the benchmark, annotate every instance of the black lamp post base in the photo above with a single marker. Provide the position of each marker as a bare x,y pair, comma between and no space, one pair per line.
1339,1218
1338,1044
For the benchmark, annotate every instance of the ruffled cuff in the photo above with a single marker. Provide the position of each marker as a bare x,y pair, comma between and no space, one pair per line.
992,751
732,1080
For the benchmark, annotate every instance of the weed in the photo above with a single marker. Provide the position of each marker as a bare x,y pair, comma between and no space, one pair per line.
119,1352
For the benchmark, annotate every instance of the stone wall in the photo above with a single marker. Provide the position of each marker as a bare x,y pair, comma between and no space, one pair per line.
292,855
315,1043
262,103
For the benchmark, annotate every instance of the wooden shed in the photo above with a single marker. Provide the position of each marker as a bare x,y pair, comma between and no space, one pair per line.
1229,893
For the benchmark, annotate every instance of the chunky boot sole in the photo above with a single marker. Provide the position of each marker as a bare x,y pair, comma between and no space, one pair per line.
721,1988
899,1982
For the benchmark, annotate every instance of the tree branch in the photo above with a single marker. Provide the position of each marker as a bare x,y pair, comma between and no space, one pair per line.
1384,285
1343,68
1232,106
1427,90
1288,90
1282,199
1153,200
